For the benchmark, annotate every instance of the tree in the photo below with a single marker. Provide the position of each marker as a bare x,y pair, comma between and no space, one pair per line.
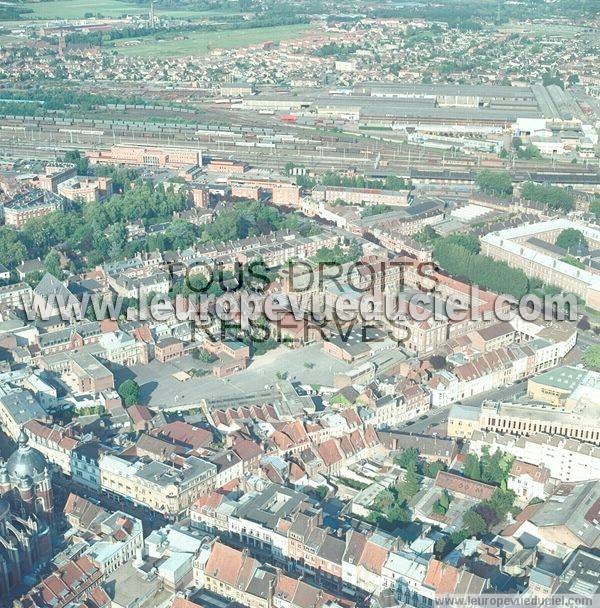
442,504
467,241
12,249
488,514
52,264
584,324
203,355
572,240
498,183
442,546
473,523
337,255
502,501
181,234
431,469
321,492
371,210
393,182
426,235
480,269
553,197
591,358
445,499
410,486
529,152
129,390
407,457
471,467
81,162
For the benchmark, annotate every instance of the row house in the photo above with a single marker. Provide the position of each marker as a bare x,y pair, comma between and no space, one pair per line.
287,525
308,461
73,582
430,448
137,266
282,192
74,456
296,248
490,370
420,582
332,424
185,434
318,553
263,519
236,575
364,558
250,452
404,573
230,467
409,401
230,419
388,410
337,454
54,442
289,438
359,196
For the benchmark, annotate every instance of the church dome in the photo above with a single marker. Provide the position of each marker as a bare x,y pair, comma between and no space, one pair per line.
25,461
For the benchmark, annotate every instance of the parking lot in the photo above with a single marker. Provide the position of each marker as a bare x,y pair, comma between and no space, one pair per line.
160,388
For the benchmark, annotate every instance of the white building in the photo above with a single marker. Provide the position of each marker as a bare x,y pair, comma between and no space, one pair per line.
568,460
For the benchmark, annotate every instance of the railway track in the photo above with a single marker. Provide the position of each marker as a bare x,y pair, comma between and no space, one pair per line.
268,147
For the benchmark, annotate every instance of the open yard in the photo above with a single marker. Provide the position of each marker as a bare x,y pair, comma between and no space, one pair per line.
200,43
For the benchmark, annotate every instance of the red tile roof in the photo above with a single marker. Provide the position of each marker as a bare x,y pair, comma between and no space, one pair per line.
329,452
537,473
441,577
463,485
184,433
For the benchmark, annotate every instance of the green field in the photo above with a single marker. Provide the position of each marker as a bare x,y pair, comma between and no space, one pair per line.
76,9
199,43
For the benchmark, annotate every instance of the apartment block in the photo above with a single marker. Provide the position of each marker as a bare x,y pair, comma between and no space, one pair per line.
35,203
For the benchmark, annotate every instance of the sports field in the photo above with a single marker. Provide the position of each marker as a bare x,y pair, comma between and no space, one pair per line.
200,43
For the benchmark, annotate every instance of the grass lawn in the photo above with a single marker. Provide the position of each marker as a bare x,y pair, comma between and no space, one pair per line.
76,9
199,43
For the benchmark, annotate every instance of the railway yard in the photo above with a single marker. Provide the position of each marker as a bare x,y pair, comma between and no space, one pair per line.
263,141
